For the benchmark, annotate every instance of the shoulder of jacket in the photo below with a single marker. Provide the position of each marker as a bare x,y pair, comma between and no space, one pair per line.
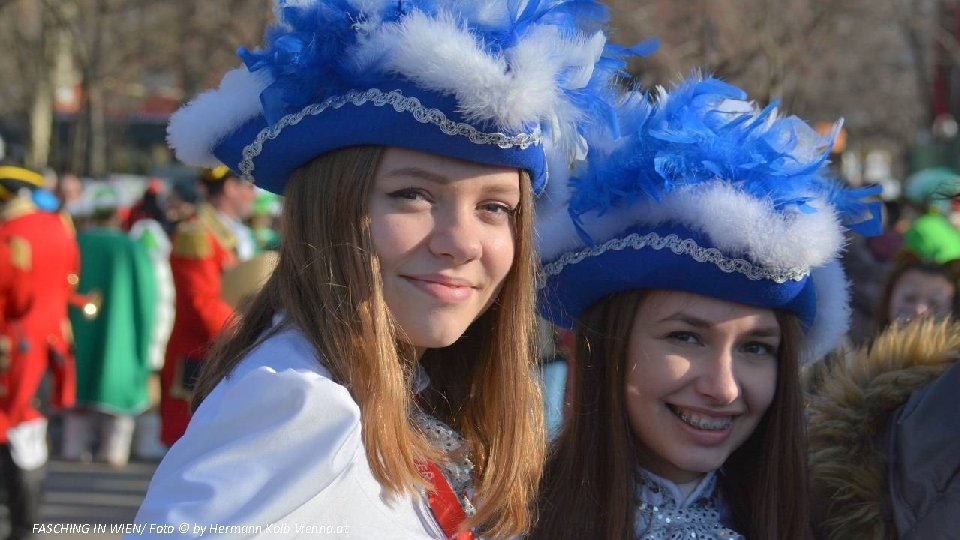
207,215
852,407
21,255
191,240
16,208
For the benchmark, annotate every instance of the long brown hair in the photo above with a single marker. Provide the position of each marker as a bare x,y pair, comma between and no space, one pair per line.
327,285
588,487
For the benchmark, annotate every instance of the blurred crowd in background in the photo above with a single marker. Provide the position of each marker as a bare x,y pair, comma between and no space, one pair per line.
107,287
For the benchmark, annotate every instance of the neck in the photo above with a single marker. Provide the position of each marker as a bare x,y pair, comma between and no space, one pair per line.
687,488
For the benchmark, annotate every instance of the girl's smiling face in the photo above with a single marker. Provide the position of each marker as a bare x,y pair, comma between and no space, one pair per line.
700,374
443,231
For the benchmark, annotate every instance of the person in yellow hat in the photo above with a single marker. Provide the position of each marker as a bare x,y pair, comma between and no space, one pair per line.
15,299
204,247
47,252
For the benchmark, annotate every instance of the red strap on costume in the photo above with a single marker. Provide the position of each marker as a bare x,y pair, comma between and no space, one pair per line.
443,502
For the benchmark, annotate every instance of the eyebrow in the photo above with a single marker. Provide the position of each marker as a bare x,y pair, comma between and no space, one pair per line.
417,172
696,322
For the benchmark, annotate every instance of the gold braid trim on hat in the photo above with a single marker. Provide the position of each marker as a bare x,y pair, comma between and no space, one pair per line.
11,172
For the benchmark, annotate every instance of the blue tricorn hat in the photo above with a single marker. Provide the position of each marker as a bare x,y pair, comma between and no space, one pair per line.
701,191
498,82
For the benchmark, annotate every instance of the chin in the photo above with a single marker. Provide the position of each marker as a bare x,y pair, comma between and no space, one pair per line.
434,337
705,464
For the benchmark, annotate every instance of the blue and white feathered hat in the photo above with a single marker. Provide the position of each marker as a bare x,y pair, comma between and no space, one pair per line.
499,82
703,192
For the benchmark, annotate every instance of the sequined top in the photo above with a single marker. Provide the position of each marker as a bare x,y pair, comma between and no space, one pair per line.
664,514
459,469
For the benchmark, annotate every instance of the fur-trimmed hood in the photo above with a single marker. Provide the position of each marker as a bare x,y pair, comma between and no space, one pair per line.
850,408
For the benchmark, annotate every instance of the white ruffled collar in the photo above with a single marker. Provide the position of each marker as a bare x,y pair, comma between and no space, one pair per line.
663,513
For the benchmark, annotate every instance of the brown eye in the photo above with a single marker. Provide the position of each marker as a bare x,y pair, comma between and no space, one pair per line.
760,348
497,212
409,194
684,337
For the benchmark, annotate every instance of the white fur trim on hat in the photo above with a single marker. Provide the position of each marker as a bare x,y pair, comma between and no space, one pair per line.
735,222
196,129
833,311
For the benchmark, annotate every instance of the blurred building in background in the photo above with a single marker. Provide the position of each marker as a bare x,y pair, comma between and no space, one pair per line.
88,86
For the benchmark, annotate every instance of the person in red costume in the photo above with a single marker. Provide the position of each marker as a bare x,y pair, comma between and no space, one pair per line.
15,298
204,247
44,248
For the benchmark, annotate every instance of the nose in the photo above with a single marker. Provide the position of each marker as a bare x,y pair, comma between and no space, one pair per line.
456,235
717,380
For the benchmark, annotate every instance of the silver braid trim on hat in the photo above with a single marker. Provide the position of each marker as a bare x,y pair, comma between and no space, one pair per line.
400,103
680,246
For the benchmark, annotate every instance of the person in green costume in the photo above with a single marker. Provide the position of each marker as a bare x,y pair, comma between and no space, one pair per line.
263,217
112,340
932,237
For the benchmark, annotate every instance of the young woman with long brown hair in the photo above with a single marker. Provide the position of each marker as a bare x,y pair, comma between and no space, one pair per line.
381,384
697,264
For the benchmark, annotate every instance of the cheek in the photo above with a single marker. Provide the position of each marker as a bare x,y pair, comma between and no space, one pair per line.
647,377
896,306
633,401
394,235
499,250
500,240
643,391
761,384
943,294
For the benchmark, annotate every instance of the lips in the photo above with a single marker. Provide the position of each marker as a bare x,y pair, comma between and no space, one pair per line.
701,420
439,279
443,288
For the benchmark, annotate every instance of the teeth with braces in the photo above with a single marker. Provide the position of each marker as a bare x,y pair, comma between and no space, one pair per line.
701,422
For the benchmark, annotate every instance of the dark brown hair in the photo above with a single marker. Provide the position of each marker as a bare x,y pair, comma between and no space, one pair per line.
328,286
589,482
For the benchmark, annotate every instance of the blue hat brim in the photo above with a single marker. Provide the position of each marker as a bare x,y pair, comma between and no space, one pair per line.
296,144
567,294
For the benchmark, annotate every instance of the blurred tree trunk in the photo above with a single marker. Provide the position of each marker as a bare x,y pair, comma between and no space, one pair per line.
124,57
88,136
914,18
96,106
38,36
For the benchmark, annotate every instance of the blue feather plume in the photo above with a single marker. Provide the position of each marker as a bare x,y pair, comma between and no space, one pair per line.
308,51
704,130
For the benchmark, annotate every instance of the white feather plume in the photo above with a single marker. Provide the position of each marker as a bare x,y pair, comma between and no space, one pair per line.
198,127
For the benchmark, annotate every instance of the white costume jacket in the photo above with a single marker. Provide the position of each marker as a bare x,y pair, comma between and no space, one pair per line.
275,451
